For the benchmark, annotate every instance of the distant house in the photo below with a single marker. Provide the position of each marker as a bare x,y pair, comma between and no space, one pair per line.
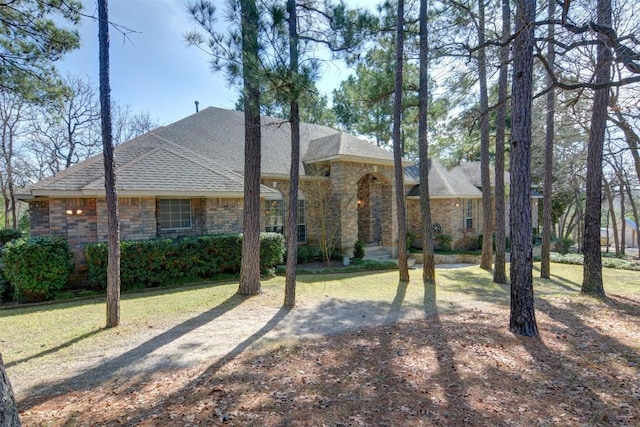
630,233
187,179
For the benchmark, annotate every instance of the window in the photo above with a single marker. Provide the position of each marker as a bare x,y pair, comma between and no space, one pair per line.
174,214
302,222
468,214
274,216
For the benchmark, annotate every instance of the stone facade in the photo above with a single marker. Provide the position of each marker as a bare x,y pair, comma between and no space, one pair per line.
357,200
449,214
348,189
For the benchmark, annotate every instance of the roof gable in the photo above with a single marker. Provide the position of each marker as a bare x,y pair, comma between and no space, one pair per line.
443,183
344,145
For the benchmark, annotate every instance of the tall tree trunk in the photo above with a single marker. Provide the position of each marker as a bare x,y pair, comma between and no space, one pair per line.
522,319
487,215
397,147
632,138
545,266
292,217
8,409
250,263
429,264
499,269
612,213
592,272
113,225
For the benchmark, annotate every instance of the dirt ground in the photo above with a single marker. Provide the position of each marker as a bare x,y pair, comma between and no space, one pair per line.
347,365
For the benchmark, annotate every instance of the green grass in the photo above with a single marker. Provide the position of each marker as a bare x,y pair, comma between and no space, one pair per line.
51,330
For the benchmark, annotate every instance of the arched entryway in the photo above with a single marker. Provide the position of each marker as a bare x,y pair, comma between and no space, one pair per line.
374,209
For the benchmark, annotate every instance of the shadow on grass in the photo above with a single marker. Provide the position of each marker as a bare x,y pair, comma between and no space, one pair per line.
140,416
55,349
366,378
485,289
108,369
321,276
623,304
396,304
14,308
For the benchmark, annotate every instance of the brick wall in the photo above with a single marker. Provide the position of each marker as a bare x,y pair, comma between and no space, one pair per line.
39,217
137,218
223,215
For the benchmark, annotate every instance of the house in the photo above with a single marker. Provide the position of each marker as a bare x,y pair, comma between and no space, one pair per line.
186,178
631,233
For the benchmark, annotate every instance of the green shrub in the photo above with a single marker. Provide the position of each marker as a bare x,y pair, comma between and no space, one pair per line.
5,287
7,235
157,262
272,250
304,254
563,245
24,223
467,243
38,267
6,290
358,249
411,237
443,242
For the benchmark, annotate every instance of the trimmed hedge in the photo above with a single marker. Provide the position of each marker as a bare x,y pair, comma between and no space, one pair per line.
38,267
6,235
157,262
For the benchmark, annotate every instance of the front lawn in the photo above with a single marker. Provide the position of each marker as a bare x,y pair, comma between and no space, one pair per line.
455,363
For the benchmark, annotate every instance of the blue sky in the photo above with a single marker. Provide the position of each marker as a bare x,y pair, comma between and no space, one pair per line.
153,70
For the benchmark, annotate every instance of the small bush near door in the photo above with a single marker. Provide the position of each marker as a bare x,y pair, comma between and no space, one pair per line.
358,249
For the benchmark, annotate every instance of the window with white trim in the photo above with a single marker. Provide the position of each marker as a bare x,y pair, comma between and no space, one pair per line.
468,214
174,214
302,222
274,216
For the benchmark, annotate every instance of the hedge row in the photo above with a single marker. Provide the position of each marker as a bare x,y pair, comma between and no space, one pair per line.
150,263
608,262
37,268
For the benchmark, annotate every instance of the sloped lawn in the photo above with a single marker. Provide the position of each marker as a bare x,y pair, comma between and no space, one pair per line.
456,363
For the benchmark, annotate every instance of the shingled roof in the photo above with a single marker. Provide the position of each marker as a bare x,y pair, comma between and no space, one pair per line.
443,183
203,154
473,173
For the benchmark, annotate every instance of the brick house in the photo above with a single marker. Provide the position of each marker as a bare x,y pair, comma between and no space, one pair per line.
186,178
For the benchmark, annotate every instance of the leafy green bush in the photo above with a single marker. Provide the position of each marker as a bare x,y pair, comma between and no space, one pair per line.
411,237
271,250
563,245
358,249
38,267
7,235
443,242
157,262
5,287
304,254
